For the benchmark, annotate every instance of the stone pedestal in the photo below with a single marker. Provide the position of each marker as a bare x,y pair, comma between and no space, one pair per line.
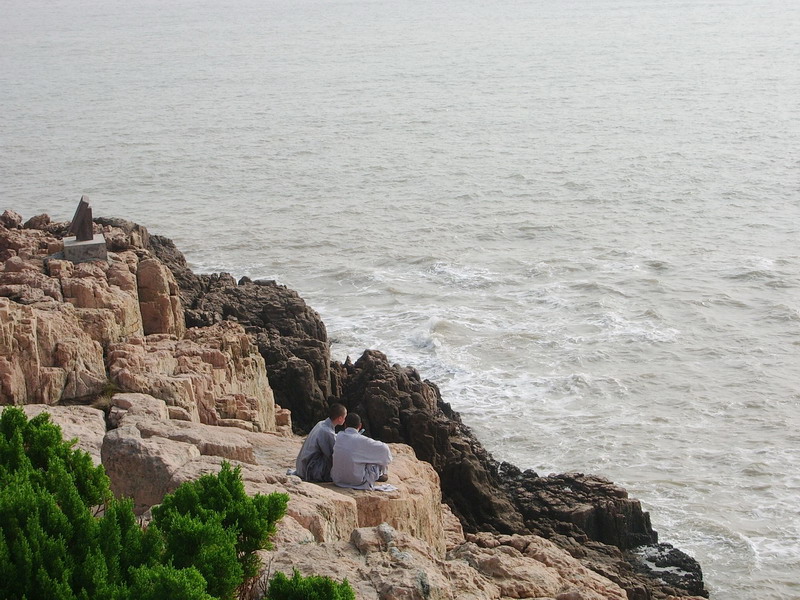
85,250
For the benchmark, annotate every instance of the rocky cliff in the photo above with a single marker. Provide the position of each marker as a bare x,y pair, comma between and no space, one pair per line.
193,369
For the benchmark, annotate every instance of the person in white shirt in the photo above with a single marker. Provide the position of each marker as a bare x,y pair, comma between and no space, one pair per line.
316,456
358,461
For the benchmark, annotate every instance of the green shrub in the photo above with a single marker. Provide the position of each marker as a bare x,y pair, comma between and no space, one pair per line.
202,543
47,531
313,587
214,525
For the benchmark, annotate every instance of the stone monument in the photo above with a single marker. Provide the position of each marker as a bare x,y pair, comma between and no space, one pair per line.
85,245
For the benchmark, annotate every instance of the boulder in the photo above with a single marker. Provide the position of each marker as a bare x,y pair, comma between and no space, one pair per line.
11,219
223,442
283,421
122,235
141,467
142,405
37,222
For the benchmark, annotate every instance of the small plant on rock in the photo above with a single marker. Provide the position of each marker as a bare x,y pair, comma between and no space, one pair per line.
313,587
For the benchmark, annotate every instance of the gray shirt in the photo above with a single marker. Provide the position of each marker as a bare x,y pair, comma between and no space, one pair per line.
358,461
315,458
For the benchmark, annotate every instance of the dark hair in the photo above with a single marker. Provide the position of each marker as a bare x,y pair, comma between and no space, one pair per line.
352,420
336,410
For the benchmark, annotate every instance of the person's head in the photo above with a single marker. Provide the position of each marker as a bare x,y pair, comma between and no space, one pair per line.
353,420
337,413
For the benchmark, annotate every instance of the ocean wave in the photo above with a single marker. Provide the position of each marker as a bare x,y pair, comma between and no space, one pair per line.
782,313
658,265
754,275
461,276
424,341
620,327
592,287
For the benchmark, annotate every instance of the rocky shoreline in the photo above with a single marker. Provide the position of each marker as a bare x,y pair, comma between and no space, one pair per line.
207,351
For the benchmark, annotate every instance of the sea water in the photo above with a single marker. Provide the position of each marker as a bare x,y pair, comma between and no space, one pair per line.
578,218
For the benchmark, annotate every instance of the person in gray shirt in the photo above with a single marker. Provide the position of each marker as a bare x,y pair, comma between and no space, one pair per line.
316,456
358,461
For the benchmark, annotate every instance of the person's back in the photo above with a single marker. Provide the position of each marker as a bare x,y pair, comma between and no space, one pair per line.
358,461
315,458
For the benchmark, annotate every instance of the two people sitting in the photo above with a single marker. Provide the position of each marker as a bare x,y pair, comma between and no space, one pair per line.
348,458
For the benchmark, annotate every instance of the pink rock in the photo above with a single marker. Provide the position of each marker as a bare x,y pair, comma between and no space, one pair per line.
141,468
46,356
26,242
38,222
215,374
158,299
140,405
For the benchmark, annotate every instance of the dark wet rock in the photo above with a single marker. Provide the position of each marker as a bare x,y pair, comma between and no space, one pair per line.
674,567
599,509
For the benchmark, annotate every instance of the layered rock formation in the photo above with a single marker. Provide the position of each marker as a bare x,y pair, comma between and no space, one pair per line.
213,375
194,351
76,332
